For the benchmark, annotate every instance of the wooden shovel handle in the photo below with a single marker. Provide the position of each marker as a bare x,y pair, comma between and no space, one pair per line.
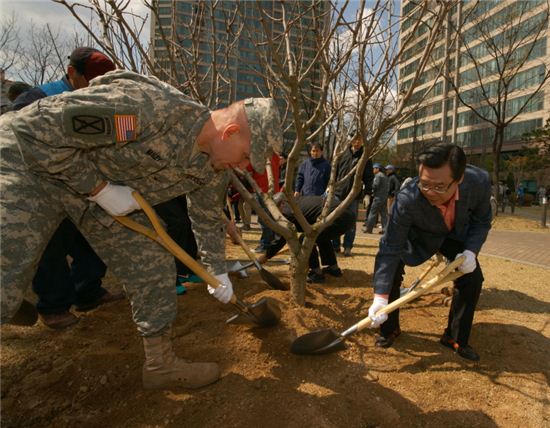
161,236
445,275
239,238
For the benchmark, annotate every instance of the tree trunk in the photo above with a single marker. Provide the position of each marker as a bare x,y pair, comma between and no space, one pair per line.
299,267
497,147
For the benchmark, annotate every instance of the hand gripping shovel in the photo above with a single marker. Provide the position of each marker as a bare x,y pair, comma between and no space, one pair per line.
328,340
267,276
265,312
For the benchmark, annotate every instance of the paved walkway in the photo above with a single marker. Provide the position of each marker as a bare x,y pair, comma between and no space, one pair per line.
532,248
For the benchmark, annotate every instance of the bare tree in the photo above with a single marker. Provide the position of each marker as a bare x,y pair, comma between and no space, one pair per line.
43,57
332,75
10,43
507,51
354,59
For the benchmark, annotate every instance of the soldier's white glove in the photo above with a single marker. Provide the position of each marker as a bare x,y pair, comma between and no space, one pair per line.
377,304
116,200
224,292
469,265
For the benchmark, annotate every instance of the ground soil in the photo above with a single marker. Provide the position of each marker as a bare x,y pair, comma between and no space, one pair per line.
90,374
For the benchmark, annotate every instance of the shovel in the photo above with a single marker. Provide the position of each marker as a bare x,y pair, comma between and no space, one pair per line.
265,312
328,340
438,258
267,276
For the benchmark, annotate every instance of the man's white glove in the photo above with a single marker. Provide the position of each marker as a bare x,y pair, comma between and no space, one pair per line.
224,292
116,200
469,265
377,304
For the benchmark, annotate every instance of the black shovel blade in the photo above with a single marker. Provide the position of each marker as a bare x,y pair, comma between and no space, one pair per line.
272,280
266,312
26,315
318,342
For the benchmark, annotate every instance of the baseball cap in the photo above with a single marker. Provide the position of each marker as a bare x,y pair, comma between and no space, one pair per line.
90,62
265,129
377,165
390,167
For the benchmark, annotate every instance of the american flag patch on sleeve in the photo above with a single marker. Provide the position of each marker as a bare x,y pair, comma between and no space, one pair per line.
125,126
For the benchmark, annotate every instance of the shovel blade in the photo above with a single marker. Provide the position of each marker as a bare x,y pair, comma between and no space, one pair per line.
266,312
318,342
272,280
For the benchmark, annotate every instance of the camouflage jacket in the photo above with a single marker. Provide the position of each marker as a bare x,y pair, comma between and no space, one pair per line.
133,130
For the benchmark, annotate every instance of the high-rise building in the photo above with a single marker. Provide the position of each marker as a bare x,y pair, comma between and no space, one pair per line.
205,35
474,69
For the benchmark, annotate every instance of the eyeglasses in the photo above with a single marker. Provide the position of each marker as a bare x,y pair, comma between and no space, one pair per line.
436,189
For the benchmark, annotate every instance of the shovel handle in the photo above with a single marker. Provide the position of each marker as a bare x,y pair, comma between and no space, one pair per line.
445,275
243,245
434,262
159,235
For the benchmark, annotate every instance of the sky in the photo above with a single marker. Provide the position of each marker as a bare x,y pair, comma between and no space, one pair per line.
39,12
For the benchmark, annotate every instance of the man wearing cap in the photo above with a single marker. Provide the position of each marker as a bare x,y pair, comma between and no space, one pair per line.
393,185
81,154
379,198
84,65
57,284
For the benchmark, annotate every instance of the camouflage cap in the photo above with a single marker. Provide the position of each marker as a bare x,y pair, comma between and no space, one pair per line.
265,129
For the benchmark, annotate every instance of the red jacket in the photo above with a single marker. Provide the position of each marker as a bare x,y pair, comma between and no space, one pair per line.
261,179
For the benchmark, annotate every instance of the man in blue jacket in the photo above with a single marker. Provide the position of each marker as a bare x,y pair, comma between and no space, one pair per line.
446,209
313,174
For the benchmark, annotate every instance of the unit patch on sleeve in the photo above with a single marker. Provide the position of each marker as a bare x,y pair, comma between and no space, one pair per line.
125,127
89,125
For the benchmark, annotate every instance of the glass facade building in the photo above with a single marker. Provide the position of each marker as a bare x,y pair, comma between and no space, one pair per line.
206,35
474,69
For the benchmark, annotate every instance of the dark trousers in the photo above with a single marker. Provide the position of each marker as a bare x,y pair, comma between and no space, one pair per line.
60,285
466,293
349,235
178,225
325,241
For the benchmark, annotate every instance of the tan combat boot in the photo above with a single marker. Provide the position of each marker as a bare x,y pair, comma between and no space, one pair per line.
162,369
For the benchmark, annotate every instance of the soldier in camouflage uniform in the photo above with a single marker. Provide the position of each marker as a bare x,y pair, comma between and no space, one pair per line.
61,157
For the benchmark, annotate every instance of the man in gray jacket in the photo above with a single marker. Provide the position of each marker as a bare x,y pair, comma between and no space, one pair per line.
445,209
380,187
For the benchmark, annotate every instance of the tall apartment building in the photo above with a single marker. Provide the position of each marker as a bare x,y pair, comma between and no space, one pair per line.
442,116
197,26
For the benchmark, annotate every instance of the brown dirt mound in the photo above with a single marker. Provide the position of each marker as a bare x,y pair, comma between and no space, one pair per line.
90,375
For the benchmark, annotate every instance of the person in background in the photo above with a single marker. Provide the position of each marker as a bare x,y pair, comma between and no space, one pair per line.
379,200
16,89
311,207
268,236
347,162
393,185
313,173
445,209
58,284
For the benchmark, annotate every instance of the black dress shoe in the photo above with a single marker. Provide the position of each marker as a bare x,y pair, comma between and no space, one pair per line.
314,277
333,271
466,352
386,342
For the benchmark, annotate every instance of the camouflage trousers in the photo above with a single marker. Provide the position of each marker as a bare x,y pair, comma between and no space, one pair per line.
32,207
